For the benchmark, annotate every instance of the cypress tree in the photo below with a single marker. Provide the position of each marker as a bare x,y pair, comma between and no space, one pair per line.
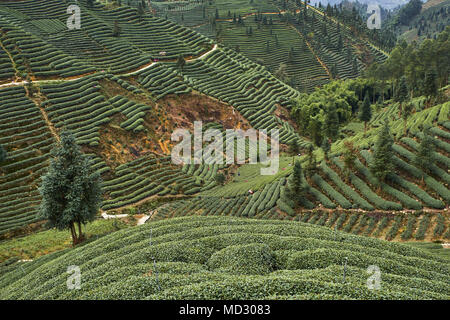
430,86
331,123
406,112
325,147
311,165
181,62
349,158
366,112
424,158
382,165
296,187
71,190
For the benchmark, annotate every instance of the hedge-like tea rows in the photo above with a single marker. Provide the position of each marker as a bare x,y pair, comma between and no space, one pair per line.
160,80
53,50
250,88
79,106
27,140
144,177
207,258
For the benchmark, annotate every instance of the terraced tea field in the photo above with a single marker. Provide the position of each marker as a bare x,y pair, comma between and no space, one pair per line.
314,48
230,258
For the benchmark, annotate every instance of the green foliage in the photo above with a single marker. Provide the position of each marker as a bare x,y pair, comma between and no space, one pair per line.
392,233
294,148
253,258
382,164
440,225
430,86
307,261
297,187
326,146
116,29
423,227
401,92
71,192
407,12
366,112
311,162
414,61
331,123
220,178
383,224
311,111
425,155
180,62
281,73
407,233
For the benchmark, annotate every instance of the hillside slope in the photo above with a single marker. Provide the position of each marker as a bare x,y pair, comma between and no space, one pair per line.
122,115
224,258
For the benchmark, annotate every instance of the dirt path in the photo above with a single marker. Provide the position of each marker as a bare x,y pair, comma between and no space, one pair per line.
12,60
313,52
145,67
112,216
142,220
37,100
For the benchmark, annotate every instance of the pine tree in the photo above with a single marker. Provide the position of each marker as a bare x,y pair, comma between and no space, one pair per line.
366,112
3,154
425,155
382,165
71,191
90,3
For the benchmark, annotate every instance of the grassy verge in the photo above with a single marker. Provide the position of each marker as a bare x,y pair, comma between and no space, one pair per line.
44,242
433,247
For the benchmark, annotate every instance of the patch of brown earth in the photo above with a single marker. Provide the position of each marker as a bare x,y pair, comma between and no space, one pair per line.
118,146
